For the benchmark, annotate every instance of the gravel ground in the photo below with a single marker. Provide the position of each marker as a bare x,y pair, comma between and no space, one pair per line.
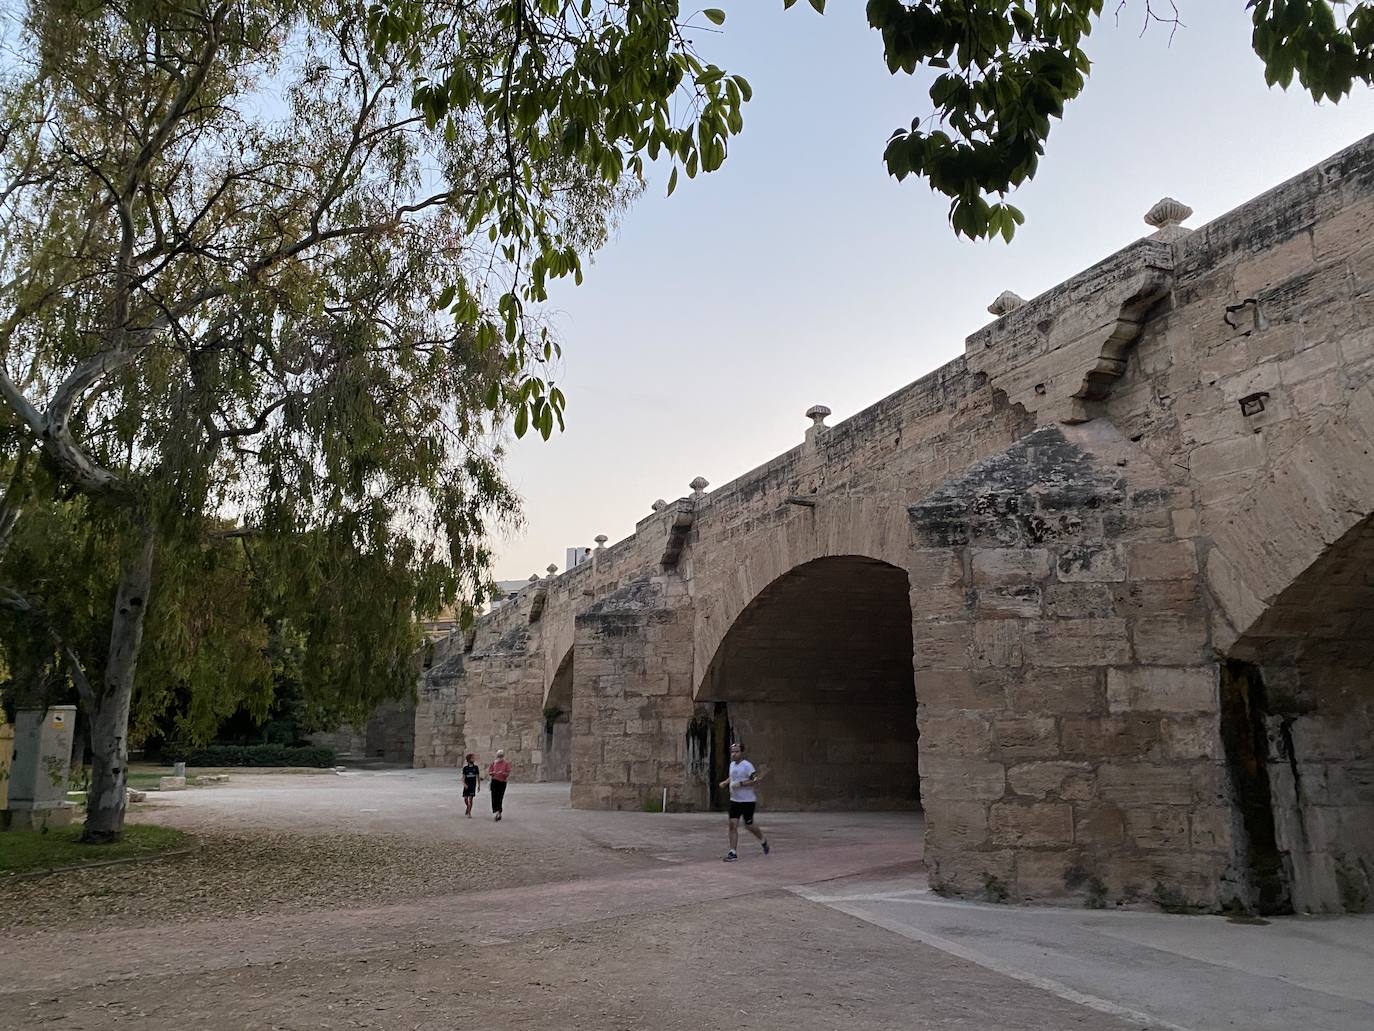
766,961
243,874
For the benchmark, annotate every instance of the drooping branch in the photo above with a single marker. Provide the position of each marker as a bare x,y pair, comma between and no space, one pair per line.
16,602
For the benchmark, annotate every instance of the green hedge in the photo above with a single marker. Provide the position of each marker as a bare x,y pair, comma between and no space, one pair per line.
261,755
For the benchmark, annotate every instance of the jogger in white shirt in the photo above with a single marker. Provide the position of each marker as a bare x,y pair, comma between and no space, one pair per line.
741,783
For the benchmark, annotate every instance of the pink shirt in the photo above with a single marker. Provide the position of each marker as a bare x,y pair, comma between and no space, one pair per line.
499,770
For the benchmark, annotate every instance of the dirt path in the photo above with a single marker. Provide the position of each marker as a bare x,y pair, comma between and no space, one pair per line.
368,902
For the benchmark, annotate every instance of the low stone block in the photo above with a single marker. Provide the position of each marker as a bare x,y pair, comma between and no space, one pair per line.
957,825
171,783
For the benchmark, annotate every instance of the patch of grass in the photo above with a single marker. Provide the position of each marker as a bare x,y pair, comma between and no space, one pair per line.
42,850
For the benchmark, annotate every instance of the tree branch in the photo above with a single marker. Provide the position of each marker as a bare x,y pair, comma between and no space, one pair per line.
13,600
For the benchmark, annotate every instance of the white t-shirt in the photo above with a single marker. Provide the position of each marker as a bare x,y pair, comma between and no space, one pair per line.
739,771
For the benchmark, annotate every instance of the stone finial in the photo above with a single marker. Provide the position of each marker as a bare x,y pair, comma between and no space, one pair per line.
534,578
659,505
817,414
552,569
1166,216
601,540
699,486
1006,302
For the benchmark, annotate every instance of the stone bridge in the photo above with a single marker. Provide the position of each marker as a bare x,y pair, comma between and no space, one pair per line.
1097,595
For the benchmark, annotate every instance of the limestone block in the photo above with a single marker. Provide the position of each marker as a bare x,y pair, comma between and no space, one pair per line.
934,567
972,874
171,783
1095,737
1153,826
1010,565
1091,563
1176,560
997,643
1025,737
1211,828
1009,601
1066,690
960,734
1079,601
961,779
1031,823
1076,642
1162,689
1046,875
1144,784
939,690
1099,826
1070,781
1190,738
942,644
957,825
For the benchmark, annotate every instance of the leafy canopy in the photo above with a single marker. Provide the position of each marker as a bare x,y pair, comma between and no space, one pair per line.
1004,70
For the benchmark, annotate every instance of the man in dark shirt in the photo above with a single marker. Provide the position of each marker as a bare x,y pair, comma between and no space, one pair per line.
472,776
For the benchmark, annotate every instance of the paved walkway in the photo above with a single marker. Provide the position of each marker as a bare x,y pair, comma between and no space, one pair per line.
1180,973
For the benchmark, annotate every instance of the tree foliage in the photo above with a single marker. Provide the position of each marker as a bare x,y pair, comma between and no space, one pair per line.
265,303
1003,70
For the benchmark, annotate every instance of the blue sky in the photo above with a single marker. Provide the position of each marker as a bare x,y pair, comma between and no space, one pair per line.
800,273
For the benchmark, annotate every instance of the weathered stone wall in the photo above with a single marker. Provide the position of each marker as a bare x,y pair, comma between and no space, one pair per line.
1068,698
504,708
440,709
632,699
1137,614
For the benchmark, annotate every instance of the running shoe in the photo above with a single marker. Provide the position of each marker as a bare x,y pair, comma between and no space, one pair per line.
766,849
731,857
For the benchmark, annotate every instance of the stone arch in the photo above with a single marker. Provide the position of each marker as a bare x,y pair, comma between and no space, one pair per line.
865,526
1300,501
556,644
815,676
1298,725
558,709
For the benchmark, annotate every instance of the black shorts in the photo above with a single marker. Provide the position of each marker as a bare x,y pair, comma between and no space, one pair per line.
742,809
469,790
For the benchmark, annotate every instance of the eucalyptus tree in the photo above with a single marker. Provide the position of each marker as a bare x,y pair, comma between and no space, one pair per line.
258,288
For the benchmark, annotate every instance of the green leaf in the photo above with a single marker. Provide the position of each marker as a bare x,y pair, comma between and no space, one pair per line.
714,15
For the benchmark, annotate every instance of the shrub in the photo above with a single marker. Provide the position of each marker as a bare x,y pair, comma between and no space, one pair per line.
261,755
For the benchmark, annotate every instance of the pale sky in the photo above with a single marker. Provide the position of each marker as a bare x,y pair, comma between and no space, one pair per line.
801,274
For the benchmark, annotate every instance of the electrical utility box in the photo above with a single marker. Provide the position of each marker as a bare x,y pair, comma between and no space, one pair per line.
39,768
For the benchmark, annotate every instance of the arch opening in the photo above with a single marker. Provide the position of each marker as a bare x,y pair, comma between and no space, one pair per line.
1298,728
815,678
558,703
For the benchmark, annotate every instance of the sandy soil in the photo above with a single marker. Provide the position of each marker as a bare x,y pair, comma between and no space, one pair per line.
368,901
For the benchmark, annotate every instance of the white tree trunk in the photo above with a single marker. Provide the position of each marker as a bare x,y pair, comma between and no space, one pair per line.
106,799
